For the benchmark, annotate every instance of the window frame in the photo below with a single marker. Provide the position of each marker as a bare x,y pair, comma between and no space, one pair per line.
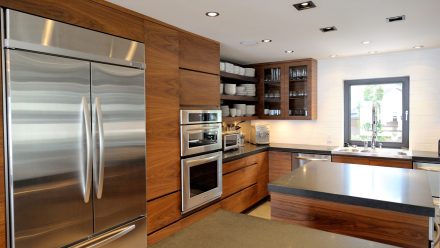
405,108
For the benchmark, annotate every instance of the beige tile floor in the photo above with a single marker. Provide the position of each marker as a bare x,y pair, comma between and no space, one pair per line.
261,211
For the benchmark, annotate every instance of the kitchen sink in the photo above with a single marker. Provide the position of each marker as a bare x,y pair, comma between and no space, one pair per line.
369,152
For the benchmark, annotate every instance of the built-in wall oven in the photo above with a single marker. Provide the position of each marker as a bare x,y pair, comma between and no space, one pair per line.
201,157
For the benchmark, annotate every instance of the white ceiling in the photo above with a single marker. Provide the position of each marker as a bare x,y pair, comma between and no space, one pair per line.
254,20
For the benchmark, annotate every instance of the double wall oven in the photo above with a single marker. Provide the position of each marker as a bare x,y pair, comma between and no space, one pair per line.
201,157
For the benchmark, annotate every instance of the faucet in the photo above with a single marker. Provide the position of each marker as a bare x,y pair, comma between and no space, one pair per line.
374,127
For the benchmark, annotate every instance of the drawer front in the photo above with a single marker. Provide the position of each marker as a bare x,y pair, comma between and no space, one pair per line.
407,164
234,165
238,180
241,201
350,160
163,211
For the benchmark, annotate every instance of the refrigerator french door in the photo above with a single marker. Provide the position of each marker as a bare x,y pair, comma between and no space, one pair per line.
75,149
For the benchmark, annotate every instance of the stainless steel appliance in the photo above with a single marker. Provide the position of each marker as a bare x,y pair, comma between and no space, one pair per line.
75,127
201,162
300,159
200,131
260,135
231,141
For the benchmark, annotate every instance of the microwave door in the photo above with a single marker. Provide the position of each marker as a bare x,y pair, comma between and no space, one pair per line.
118,117
200,138
49,151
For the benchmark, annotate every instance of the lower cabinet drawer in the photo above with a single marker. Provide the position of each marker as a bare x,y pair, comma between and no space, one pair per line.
350,159
240,179
398,163
241,201
163,211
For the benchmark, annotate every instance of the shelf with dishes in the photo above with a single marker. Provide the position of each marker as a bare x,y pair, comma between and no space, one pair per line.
238,98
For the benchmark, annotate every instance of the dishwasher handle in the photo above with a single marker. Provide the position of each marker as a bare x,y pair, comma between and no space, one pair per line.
311,159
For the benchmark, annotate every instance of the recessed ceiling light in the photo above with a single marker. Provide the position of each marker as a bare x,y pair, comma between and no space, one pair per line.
418,47
304,5
212,14
333,56
289,51
366,42
328,29
396,18
372,52
266,40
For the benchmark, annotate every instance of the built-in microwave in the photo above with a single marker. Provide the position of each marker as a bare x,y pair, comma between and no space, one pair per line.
201,180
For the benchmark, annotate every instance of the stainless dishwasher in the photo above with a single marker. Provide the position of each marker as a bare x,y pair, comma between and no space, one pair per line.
300,159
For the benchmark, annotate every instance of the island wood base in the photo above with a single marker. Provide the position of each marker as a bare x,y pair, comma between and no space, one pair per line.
385,226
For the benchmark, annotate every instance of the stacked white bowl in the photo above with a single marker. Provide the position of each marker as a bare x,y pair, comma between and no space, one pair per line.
250,110
250,89
230,89
242,108
235,69
241,91
225,110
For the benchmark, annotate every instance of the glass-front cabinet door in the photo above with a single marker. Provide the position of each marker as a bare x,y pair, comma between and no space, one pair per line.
272,91
298,91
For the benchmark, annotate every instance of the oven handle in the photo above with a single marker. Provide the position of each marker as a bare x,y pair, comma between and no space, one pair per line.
202,160
214,128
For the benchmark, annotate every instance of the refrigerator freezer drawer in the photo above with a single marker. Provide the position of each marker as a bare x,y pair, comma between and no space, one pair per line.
133,234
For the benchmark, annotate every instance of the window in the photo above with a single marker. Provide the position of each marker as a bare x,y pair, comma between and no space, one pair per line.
391,98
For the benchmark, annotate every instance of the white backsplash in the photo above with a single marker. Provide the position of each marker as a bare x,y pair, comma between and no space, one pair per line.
423,67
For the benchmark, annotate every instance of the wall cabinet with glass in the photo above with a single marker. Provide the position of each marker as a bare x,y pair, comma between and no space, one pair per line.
288,90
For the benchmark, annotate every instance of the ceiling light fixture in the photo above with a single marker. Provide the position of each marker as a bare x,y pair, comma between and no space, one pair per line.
372,52
328,29
396,18
212,14
333,56
366,42
304,5
289,51
418,47
266,40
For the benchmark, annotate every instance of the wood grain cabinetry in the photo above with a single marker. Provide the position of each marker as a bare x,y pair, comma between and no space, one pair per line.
387,162
162,116
163,211
240,179
242,200
199,54
199,89
289,89
280,163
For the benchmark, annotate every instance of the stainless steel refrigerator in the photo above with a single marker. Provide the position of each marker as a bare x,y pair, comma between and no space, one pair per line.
74,135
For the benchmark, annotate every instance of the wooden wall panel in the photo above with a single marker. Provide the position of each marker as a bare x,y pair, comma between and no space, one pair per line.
199,54
163,211
263,174
400,229
199,89
162,103
280,163
84,13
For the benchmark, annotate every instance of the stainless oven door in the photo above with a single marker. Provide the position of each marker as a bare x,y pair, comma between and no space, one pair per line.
201,180
200,138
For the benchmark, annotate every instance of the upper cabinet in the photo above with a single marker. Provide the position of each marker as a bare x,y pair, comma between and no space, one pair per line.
199,54
287,90
199,89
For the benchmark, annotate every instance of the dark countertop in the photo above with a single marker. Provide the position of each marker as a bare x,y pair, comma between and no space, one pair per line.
229,230
244,151
394,189
421,156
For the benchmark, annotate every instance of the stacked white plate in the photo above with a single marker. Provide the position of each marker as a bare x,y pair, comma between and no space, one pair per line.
230,89
221,88
242,108
250,110
225,110
241,91
250,89
249,72
229,67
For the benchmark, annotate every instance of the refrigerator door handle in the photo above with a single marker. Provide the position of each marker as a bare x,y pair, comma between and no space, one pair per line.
99,175
88,175
106,238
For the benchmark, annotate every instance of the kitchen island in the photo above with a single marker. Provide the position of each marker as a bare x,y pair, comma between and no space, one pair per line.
388,205
229,230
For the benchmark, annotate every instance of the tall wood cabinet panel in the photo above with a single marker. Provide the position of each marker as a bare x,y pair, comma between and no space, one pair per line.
199,54
199,89
85,13
163,104
280,163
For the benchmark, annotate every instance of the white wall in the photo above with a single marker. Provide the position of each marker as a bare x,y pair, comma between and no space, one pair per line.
423,67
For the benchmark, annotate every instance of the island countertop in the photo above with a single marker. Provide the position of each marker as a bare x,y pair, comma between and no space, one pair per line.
229,230
401,190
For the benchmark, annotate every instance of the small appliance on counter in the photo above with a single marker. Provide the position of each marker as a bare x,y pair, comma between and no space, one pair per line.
260,135
231,141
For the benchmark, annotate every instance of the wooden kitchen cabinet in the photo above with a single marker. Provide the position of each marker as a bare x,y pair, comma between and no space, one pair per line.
163,211
280,164
199,89
199,54
162,110
240,179
387,162
242,200
289,89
